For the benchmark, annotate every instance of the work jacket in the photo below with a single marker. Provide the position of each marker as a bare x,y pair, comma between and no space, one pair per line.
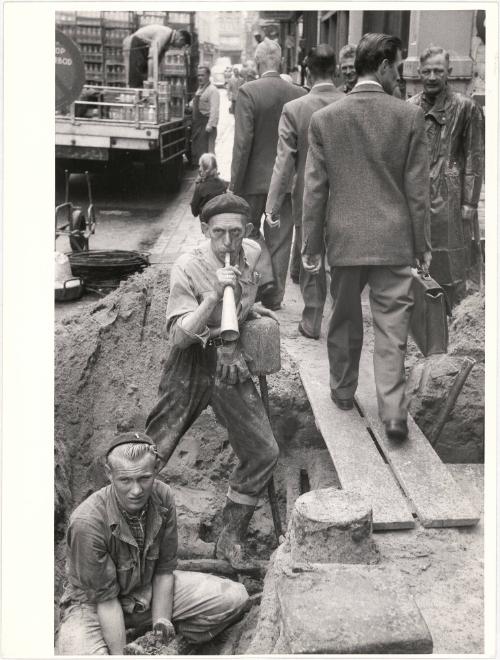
454,129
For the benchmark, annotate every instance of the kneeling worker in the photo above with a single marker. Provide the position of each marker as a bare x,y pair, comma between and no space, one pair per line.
121,556
203,370
139,50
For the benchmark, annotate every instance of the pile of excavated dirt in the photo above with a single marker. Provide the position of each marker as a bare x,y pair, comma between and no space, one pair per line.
109,357
430,379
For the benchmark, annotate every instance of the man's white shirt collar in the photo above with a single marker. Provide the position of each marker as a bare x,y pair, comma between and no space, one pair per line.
270,71
368,82
323,84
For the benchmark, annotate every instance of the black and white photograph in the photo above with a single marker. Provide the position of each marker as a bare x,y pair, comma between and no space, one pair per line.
261,381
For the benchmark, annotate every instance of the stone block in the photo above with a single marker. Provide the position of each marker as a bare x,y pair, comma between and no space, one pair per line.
332,526
341,609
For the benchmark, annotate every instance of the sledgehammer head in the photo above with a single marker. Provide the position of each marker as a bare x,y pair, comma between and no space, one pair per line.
260,339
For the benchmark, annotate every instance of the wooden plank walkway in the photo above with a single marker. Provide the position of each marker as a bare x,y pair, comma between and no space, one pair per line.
357,461
425,480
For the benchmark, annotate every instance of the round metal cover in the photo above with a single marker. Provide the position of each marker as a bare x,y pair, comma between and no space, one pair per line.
70,70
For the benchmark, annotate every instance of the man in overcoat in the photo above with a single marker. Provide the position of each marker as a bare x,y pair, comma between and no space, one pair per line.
257,116
374,230
454,127
289,168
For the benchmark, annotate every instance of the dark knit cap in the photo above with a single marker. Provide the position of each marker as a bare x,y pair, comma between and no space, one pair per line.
131,437
226,203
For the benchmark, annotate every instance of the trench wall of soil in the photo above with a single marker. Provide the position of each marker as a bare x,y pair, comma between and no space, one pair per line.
109,359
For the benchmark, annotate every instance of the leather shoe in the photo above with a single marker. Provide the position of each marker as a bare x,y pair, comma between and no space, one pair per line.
306,334
343,404
396,429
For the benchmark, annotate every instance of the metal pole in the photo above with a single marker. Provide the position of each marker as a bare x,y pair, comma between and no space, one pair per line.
271,491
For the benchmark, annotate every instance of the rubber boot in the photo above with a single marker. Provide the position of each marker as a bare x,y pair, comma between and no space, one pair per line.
235,518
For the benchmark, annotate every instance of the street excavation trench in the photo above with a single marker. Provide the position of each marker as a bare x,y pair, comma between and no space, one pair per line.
108,360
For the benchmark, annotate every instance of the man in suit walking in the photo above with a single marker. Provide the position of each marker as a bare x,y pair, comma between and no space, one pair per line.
290,165
375,230
257,116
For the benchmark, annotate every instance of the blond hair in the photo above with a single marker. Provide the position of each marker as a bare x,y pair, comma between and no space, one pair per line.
131,451
207,166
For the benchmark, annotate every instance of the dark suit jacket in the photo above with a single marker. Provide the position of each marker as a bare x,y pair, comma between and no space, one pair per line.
292,147
257,114
367,179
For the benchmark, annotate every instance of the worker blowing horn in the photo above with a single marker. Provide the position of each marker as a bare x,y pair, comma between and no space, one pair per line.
203,369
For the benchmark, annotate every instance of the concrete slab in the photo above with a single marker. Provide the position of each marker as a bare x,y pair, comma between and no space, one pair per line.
350,609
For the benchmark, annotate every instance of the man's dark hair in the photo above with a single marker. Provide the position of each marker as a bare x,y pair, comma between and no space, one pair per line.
202,67
321,61
373,49
186,36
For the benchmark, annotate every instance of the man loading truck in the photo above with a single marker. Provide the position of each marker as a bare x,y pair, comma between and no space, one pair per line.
140,47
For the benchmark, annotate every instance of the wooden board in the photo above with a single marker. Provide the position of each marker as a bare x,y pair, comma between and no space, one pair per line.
358,463
425,480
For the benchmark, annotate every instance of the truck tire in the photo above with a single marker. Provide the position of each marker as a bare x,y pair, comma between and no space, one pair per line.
174,172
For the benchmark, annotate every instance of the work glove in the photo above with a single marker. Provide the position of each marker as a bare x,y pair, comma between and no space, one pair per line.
231,364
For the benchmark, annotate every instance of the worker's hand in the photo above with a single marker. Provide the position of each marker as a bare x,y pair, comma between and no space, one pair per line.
164,631
231,364
208,129
468,212
259,310
311,263
133,648
272,219
227,276
424,261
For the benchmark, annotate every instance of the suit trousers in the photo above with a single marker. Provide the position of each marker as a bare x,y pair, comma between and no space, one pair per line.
296,258
313,290
278,241
391,302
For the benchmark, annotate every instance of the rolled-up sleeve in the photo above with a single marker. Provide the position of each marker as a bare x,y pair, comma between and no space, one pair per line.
167,557
91,568
182,301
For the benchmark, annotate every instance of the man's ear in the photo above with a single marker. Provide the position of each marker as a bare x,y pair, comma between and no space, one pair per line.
248,229
107,471
204,228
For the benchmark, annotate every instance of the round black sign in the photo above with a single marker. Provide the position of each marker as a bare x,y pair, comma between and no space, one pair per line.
70,70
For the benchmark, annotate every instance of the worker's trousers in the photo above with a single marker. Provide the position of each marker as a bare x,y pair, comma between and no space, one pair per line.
138,62
187,387
391,303
278,241
203,606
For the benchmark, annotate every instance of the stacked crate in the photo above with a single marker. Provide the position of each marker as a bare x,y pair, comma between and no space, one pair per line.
116,26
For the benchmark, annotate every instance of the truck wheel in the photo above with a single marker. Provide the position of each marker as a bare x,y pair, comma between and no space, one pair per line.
174,172
78,243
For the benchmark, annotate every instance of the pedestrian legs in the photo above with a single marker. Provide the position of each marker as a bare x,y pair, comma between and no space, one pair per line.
345,334
257,205
279,242
212,137
313,289
391,302
296,260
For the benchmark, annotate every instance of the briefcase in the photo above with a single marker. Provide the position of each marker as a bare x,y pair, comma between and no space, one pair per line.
429,319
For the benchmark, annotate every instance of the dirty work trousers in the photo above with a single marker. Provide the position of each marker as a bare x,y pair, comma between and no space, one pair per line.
391,302
313,290
277,240
188,385
203,606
